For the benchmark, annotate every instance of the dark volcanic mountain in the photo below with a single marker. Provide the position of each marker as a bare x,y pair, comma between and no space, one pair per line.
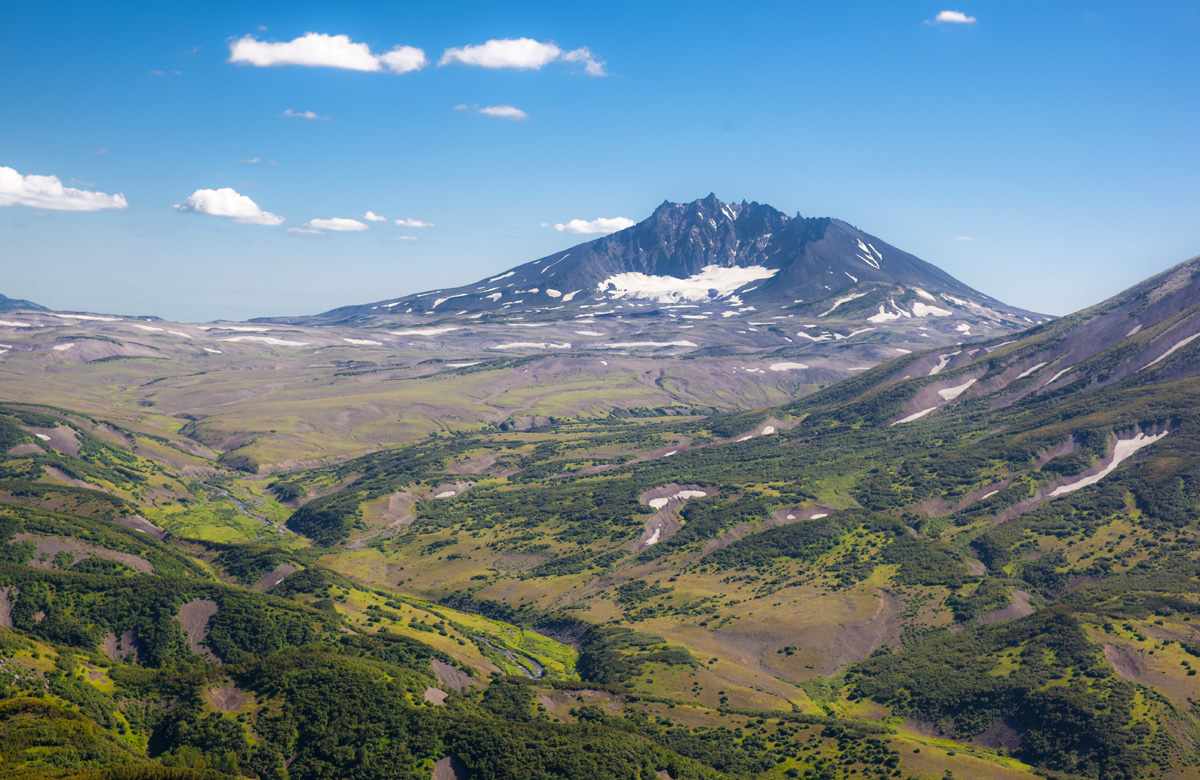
14,304
728,258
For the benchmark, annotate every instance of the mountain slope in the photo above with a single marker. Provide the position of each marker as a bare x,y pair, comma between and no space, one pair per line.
733,264
15,304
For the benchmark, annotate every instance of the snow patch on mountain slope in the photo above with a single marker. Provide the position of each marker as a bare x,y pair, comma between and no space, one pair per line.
713,281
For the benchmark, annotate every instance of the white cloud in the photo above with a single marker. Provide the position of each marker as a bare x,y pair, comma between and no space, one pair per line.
964,238
306,231
406,238
371,216
226,202
522,54
413,223
249,160
404,59
319,50
591,65
47,192
504,112
304,115
588,227
339,224
952,17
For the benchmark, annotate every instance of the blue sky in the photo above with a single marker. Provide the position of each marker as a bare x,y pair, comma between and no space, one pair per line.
1059,137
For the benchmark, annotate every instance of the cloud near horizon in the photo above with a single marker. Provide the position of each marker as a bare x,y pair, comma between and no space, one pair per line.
304,115
337,224
500,112
47,192
413,223
319,50
952,17
520,54
590,227
227,202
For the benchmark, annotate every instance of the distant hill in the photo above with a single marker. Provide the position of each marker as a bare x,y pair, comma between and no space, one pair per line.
14,304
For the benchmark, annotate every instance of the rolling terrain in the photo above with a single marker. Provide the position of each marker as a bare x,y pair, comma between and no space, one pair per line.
228,556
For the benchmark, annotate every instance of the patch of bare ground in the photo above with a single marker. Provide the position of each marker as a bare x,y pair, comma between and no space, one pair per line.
450,768
777,518
1018,609
451,676
66,478
559,702
61,438
139,523
450,490
852,644
1126,661
46,547
1001,735
27,448
667,500
976,568
476,465
435,696
194,617
275,576
124,649
1067,447
8,596
226,698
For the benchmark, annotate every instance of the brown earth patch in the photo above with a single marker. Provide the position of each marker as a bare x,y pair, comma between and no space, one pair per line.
435,696
61,438
46,547
665,521
450,768
139,523
275,576
226,698
451,676
8,597
27,448
123,649
194,616
62,476
1018,609
852,644
1001,735
778,517
476,465
1127,662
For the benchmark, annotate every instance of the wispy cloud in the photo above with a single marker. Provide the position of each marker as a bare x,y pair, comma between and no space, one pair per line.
964,238
405,239
249,160
951,17
413,223
521,54
47,192
227,202
501,112
319,50
371,216
100,152
305,115
589,227
337,224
